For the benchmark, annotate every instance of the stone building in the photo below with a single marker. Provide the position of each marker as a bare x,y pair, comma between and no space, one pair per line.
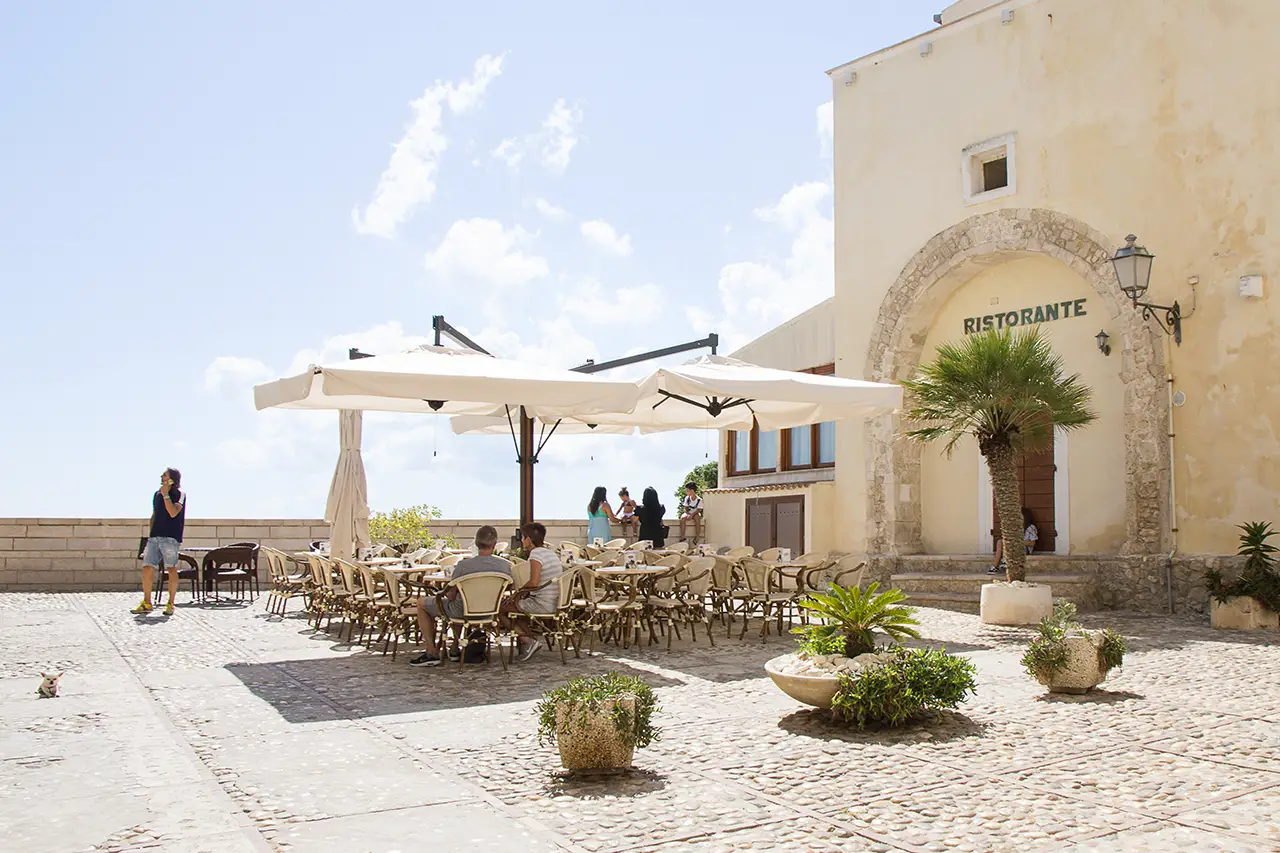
986,172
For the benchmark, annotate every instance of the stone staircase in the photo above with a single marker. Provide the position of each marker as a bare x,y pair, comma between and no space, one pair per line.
955,582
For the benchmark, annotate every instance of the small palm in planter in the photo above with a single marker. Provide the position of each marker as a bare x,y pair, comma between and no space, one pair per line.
1253,599
1067,658
856,615
597,722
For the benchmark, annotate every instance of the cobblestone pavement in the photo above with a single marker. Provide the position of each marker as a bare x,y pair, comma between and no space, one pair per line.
222,730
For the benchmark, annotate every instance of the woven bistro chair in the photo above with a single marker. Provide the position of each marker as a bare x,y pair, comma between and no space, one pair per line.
848,572
481,594
694,593
562,625
237,564
739,553
353,598
662,602
770,555
615,544
579,552
615,606
284,583
761,583
379,608
329,593
403,616
641,545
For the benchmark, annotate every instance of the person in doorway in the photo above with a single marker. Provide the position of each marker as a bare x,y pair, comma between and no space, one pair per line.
168,516
540,595
691,510
626,510
1030,535
651,513
428,608
599,514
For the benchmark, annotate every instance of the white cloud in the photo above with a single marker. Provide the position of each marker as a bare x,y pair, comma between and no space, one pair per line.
552,143
410,177
483,250
619,306
235,371
826,127
550,211
755,296
606,237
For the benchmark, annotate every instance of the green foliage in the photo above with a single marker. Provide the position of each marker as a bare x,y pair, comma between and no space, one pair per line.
589,694
911,683
1258,579
855,614
706,475
819,644
1047,654
409,526
1004,388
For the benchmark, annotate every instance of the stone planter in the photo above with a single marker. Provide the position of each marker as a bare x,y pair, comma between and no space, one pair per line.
815,690
1083,671
589,740
1242,613
1015,604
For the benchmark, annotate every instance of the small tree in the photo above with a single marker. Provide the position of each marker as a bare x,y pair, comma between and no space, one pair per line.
1008,391
706,475
409,526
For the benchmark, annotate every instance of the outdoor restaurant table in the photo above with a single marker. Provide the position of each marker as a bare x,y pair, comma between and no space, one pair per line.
619,574
379,562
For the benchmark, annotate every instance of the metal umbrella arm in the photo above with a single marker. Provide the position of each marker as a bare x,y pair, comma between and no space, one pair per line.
544,436
713,405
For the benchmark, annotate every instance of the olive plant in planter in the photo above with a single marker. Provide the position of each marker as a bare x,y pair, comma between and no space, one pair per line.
597,722
1068,658
1009,391
1252,600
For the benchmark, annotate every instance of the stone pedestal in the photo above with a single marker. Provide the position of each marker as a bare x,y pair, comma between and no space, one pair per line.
1007,604
1242,614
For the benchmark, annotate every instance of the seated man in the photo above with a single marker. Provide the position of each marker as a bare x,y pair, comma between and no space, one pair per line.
539,595
428,613
691,510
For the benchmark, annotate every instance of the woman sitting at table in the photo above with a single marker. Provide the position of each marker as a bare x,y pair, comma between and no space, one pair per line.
540,595
651,513
599,514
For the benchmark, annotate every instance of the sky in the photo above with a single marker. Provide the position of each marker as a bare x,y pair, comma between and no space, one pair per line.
197,197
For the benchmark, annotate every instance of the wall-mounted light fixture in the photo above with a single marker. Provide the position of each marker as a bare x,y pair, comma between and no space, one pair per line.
1103,347
1133,270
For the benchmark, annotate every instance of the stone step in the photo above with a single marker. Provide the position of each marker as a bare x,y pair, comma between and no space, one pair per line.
964,602
963,590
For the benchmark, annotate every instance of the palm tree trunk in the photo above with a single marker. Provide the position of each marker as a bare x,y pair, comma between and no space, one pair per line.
1004,482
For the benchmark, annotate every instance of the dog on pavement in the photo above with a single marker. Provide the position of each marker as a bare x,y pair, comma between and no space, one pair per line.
48,688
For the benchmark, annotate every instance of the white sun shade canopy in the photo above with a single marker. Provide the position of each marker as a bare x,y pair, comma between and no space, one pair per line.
717,392
445,381
499,425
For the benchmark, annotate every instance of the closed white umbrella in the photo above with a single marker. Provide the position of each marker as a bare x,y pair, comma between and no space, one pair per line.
347,509
718,392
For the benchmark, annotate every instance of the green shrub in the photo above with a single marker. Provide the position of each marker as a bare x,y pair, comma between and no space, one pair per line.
816,644
400,527
591,692
912,683
1258,579
855,615
1047,654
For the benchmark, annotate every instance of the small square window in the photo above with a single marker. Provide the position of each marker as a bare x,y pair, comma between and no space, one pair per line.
988,169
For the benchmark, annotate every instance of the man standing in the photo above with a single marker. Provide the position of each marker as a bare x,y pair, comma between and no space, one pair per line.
429,612
168,514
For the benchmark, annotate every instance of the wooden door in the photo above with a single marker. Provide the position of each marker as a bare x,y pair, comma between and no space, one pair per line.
760,524
1036,473
789,524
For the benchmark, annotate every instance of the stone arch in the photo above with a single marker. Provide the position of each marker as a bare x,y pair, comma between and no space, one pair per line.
945,263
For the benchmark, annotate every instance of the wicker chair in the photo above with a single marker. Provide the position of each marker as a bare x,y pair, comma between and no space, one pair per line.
235,563
694,593
762,584
481,594
284,584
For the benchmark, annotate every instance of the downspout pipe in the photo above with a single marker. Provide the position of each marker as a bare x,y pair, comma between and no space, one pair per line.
1173,502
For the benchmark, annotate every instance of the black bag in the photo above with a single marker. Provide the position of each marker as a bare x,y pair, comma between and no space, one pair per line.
477,648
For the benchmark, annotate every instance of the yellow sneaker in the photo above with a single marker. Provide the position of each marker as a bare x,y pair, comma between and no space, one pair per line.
168,609
142,607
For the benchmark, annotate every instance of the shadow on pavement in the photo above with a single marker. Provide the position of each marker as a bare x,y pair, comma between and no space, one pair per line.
940,728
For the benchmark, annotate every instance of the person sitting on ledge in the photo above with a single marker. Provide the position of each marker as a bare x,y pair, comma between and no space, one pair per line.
1030,535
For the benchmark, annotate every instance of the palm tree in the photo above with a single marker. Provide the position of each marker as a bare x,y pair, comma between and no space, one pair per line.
1007,390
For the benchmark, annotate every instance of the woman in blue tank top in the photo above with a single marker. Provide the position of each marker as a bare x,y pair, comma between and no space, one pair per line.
599,514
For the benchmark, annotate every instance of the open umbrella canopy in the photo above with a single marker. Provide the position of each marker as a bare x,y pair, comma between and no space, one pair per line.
502,425
717,392
445,381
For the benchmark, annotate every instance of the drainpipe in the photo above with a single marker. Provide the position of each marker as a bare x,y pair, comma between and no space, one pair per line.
1173,501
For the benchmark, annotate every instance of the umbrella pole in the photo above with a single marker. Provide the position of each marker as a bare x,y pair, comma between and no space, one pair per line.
527,460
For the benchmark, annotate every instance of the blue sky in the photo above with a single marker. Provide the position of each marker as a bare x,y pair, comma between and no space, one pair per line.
197,197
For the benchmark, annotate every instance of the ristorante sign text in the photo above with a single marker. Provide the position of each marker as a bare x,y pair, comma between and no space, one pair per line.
1026,316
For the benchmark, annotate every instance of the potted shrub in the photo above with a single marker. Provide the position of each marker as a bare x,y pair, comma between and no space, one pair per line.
1252,601
843,644
599,721
1068,658
1009,392
907,686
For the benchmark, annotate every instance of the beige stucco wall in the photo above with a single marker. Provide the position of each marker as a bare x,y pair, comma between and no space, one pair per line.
726,512
950,496
807,340
1145,116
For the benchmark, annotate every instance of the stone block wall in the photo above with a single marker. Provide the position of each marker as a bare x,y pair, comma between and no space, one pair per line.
93,554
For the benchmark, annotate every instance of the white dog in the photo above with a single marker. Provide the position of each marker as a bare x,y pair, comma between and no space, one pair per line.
49,687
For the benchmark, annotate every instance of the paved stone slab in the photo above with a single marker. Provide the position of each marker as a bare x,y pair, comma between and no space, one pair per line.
454,828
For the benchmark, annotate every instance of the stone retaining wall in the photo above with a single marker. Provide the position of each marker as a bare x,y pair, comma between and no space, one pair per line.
90,554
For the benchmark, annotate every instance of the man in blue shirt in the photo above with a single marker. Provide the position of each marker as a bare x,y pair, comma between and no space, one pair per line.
168,514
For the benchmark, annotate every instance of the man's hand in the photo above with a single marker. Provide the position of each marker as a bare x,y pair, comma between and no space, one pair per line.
165,486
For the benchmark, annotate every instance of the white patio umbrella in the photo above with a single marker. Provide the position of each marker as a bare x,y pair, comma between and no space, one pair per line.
445,381
718,392
347,509
502,425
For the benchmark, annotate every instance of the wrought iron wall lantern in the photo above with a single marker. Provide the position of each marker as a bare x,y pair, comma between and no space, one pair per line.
1133,270
1103,347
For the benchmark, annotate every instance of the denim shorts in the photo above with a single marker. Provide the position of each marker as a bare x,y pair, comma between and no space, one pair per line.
161,551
